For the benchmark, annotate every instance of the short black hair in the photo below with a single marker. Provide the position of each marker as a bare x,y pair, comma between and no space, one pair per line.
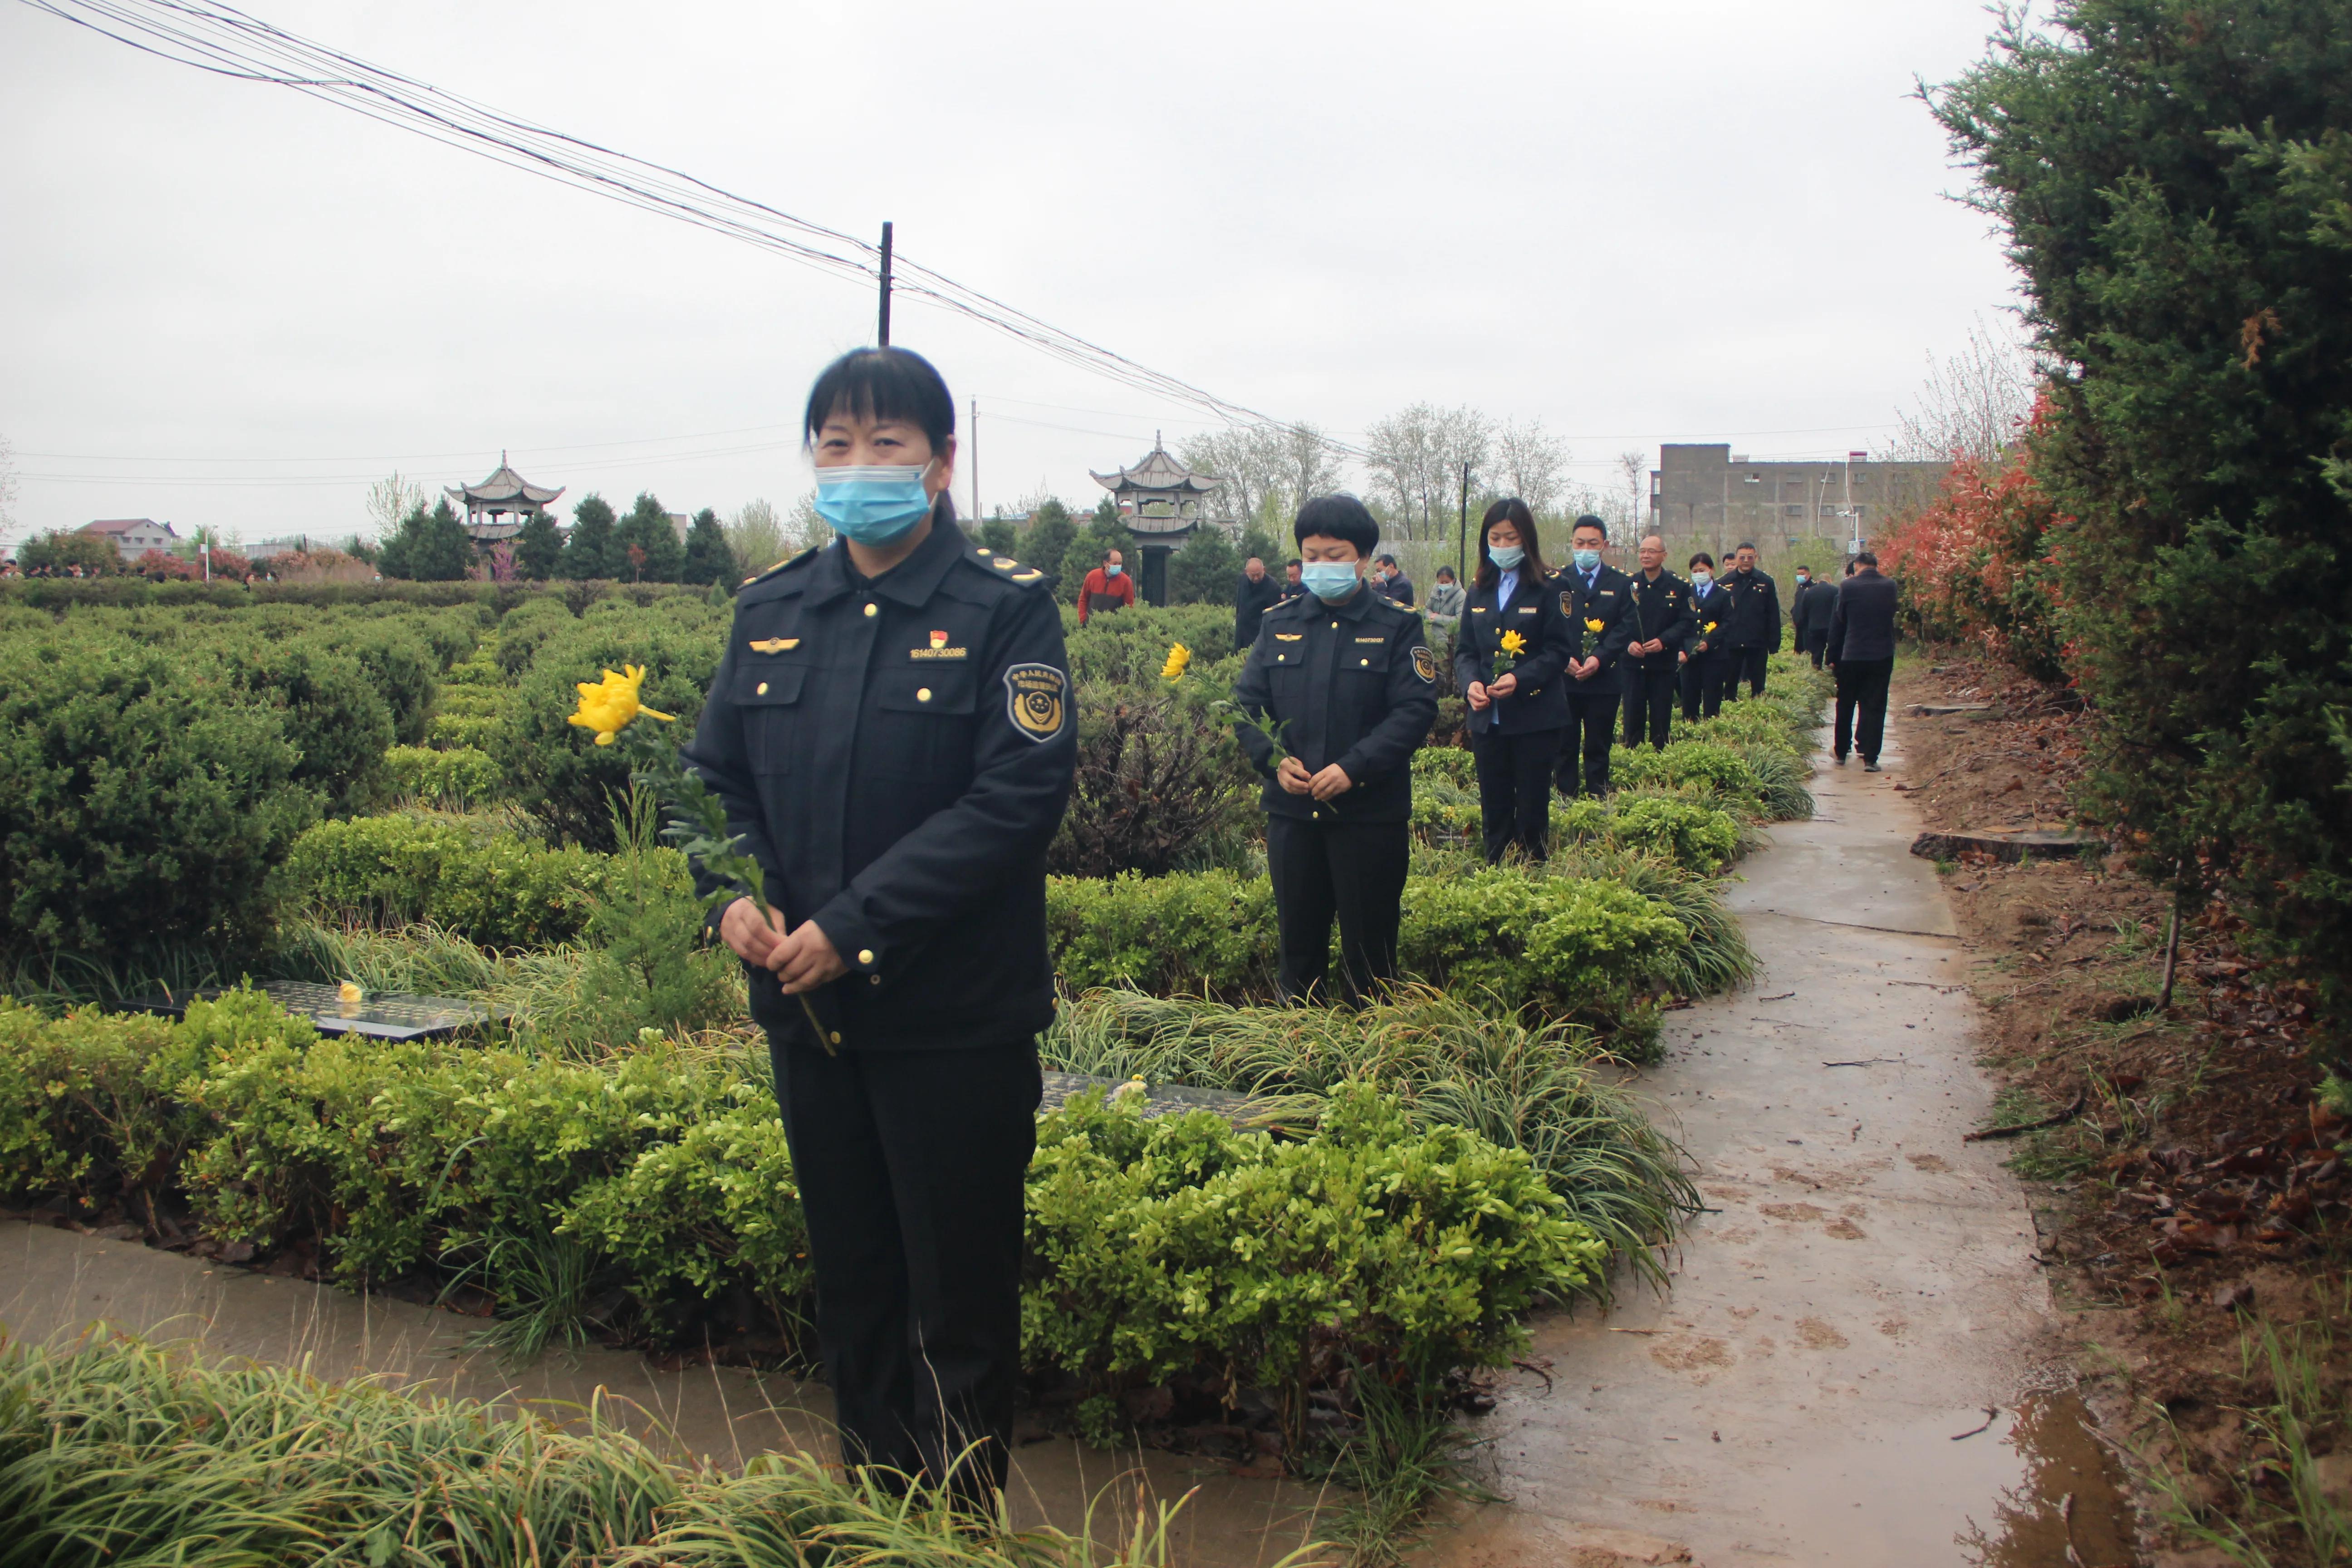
883,383
1743,544
1384,561
1701,556
1341,517
1589,520
1293,561
1866,558
1446,572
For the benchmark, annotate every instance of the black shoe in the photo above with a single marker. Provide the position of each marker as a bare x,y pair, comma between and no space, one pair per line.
1841,758
1870,767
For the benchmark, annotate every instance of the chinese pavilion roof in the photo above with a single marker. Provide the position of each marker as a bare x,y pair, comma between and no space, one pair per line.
1158,471
504,488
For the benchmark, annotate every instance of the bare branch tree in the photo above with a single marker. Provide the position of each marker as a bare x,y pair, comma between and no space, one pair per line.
755,536
7,488
1633,467
1309,467
1971,404
1532,465
390,501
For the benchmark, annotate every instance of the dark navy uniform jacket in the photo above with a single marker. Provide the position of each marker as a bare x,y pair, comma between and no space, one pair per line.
899,752
1714,610
1660,610
1610,603
1755,610
1542,700
1353,684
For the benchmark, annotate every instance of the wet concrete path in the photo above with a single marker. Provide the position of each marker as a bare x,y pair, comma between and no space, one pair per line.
1861,1291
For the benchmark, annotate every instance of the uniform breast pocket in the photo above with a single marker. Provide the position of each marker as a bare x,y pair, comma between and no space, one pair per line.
922,725
768,695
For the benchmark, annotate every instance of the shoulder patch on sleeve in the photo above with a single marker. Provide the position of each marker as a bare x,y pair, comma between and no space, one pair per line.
1424,663
1036,699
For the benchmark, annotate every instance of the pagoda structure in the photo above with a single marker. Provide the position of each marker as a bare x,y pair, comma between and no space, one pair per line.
497,509
1162,502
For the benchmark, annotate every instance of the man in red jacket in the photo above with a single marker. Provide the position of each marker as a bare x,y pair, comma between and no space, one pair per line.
1107,587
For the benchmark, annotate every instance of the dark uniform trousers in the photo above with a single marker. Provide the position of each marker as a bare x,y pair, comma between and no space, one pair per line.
1702,681
1862,706
1747,665
1514,786
1327,867
911,1171
1583,758
1649,698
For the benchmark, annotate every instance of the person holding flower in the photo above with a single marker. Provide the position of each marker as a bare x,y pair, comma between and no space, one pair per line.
1598,602
892,732
1706,661
1339,691
1508,657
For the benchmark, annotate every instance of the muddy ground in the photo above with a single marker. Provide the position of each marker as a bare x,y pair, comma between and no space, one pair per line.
2189,1198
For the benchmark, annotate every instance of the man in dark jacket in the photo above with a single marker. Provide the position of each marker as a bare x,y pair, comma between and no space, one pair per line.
1662,624
1257,593
1753,635
1598,601
1861,651
1809,614
1350,687
892,732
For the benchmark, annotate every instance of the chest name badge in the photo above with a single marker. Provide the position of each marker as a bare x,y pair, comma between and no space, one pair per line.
1371,639
774,645
1288,636
1034,699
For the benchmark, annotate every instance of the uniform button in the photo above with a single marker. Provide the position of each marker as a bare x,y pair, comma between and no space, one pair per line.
865,956
874,979
923,694
837,1036
764,690
873,610
1365,662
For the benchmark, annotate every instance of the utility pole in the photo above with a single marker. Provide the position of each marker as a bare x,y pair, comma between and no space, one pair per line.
975,462
885,334
1462,534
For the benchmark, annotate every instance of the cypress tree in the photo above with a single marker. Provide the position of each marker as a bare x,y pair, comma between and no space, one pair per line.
658,557
708,558
538,549
590,552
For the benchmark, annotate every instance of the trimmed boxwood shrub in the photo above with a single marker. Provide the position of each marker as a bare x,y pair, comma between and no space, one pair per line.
143,800
555,769
393,870
460,776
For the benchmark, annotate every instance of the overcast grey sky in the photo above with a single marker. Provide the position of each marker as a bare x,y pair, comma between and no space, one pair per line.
227,304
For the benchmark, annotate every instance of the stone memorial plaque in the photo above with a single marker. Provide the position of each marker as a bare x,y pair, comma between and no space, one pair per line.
383,1014
1158,1100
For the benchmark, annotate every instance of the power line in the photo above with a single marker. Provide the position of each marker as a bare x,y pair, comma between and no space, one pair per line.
217,38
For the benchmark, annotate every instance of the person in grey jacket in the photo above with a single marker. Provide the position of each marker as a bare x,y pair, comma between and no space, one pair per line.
1861,651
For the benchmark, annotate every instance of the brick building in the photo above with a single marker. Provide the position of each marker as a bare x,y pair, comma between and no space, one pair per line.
1704,496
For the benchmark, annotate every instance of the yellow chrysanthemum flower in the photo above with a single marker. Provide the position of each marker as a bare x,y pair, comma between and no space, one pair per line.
1593,626
1514,644
1180,658
610,705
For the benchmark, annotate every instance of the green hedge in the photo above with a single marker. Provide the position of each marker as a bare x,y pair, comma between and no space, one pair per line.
458,777
503,892
1688,832
1564,943
1154,1249
142,802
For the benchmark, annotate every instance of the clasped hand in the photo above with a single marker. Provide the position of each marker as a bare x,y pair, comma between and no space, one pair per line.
1483,694
803,958
1330,783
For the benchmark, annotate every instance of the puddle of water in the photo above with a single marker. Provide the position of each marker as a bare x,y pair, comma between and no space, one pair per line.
1998,1499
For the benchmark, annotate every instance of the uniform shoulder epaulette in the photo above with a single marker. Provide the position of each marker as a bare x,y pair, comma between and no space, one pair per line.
1006,567
789,560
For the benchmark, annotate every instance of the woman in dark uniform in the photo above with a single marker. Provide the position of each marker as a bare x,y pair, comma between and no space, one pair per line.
892,732
1516,717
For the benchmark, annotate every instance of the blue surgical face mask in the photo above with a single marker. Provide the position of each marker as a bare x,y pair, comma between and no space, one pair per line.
873,503
1701,579
1586,560
1331,581
1112,569
1507,557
